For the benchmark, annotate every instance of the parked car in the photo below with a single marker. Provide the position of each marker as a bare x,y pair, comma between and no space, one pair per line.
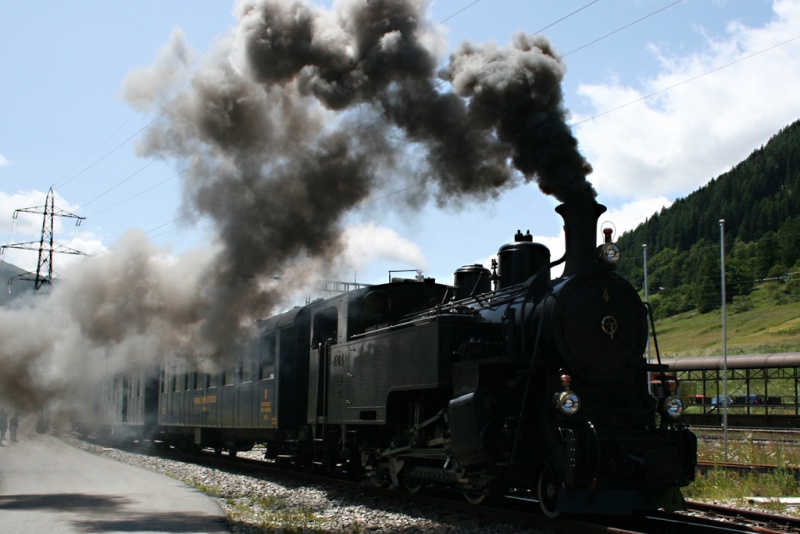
718,400
752,398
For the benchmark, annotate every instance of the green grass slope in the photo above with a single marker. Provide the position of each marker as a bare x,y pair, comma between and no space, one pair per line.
761,326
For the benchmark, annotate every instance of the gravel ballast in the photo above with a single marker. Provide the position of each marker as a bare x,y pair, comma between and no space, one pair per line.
262,503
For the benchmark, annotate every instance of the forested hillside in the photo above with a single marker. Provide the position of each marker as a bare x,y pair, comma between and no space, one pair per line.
760,201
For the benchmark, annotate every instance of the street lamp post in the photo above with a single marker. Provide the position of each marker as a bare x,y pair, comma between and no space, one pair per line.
646,293
647,300
724,342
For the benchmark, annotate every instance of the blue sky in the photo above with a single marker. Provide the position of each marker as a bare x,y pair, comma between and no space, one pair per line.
721,74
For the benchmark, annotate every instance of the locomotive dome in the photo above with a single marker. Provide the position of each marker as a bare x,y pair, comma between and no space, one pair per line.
471,280
521,259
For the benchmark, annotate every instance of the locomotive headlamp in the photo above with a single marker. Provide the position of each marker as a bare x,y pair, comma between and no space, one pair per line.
609,253
672,407
568,402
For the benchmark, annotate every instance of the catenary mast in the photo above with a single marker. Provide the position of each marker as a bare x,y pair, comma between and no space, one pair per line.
46,244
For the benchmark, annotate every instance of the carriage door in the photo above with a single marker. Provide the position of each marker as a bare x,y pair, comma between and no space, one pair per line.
323,338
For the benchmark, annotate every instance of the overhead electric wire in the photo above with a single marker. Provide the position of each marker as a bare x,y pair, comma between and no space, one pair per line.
390,193
273,170
359,126
565,17
665,89
161,157
104,156
140,193
107,191
622,28
459,12
101,143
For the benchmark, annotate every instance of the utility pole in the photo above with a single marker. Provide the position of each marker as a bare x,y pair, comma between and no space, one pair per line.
46,245
647,301
646,293
724,341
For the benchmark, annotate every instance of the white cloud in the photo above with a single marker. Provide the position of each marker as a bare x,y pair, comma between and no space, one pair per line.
709,120
4,161
366,243
630,215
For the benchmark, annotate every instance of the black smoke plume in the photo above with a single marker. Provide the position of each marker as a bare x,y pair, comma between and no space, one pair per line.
303,113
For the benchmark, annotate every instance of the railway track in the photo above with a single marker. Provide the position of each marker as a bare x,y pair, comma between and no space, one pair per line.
521,510
759,432
753,520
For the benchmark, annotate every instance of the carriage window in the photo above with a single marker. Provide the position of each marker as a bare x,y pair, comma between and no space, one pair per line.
248,358
266,358
228,377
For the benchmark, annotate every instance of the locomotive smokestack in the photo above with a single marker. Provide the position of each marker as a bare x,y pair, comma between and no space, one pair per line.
580,216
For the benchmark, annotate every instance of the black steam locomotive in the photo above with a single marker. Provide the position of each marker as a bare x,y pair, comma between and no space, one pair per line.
507,381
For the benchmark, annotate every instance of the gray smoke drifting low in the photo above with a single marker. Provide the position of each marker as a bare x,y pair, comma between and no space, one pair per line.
303,113
134,303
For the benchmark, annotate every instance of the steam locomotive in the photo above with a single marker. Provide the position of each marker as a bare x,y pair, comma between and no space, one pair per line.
506,381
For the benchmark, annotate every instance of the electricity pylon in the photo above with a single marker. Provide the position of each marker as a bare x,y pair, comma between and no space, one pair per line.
46,246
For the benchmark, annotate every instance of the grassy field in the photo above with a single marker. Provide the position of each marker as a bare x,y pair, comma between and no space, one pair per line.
738,488
764,327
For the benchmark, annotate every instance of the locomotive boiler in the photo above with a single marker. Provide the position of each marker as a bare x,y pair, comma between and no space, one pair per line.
507,381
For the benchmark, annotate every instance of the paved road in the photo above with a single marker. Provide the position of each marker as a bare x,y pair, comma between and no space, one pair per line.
48,486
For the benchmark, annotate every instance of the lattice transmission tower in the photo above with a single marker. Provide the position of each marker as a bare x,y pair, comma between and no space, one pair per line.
46,245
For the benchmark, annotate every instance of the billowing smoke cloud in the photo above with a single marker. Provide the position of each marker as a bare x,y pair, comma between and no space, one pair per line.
292,121
129,305
303,113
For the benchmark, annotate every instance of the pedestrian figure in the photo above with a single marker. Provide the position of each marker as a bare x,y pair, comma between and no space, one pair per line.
3,424
13,426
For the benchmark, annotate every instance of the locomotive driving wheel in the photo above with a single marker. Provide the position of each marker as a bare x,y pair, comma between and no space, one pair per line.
474,497
547,492
411,485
